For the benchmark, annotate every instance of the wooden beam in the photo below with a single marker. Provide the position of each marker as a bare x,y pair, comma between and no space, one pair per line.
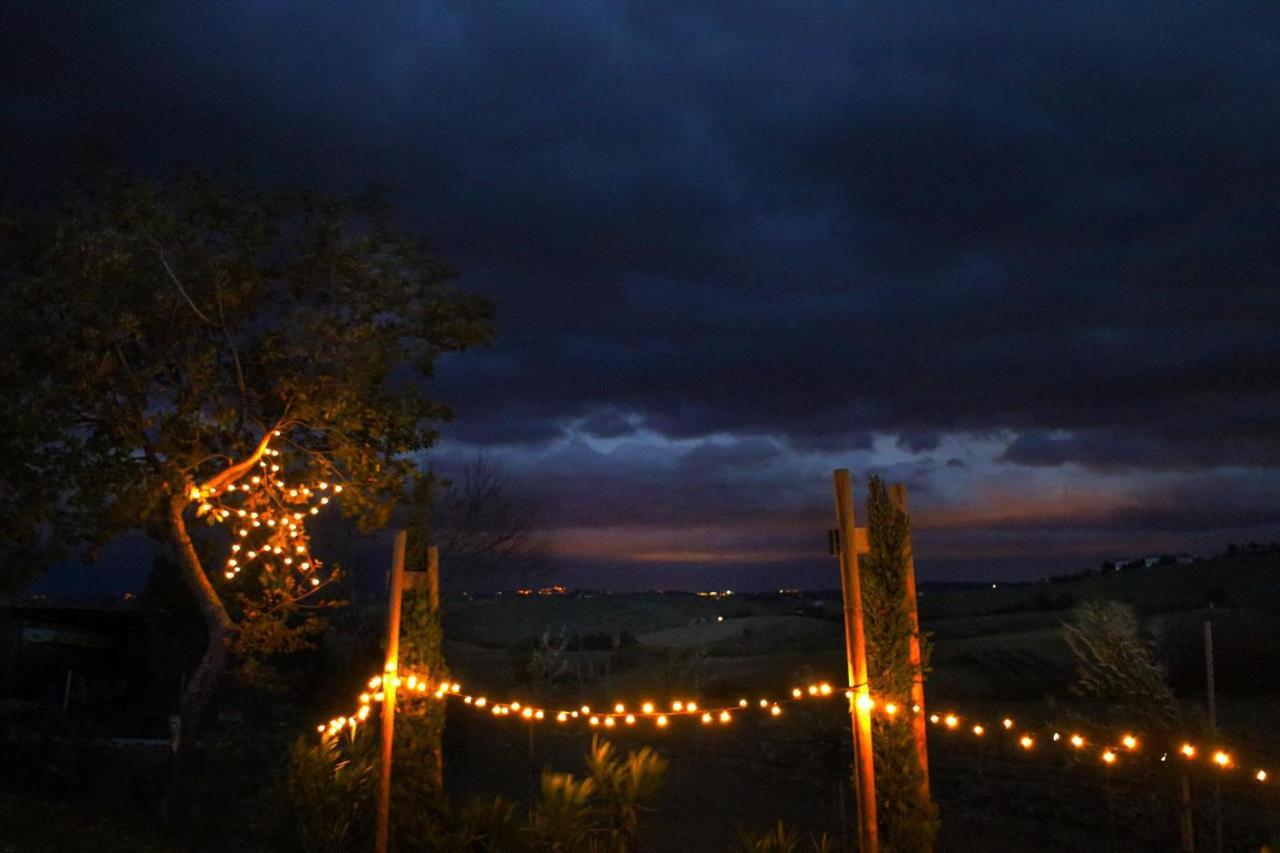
390,674
856,654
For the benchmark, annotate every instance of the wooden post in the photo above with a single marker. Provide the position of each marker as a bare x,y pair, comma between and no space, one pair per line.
855,640
390,672
433,577
433,599
1212,697
898,495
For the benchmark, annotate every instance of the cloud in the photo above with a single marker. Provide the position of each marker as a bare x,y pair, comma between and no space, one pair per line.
742,243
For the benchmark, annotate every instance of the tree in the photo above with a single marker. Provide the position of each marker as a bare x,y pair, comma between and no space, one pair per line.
477,523
1116,664
909,820
202,349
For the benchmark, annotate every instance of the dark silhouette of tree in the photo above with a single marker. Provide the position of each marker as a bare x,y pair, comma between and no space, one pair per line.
169,345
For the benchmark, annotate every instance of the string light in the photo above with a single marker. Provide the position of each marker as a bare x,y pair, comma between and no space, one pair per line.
648,710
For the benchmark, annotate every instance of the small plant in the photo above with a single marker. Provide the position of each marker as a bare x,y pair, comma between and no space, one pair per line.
326,796
783,839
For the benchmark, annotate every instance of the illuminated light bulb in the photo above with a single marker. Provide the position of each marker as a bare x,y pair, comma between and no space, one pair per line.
979,730
631,719
324,500
1109,757
725,717
813,690
608,721
891,709
314,510
320,728
1187,750
244,532
229,575
1007,723
297,516
375,682
256,480
573,714
742,703
196,494
1261,775
378,697
562,717
257,524
337,489
1027,741
288,561
515,706
1056,737
323,484
1221,759
455,687
1077,741
662,720
315,581
538,714
304,566
647,707
691,707
824,689
235,549
275,467
363,713
497,712
241,513
915,709
677,706
764,703
468,700
706,719
595,721
776,710
481,702
279,484
952,721
1129,741
933,718
586,709
865,702
413,682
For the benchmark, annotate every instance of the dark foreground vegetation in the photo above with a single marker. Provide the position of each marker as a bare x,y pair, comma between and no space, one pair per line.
94,776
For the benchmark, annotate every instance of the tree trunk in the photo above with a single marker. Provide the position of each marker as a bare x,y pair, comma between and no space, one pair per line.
202,684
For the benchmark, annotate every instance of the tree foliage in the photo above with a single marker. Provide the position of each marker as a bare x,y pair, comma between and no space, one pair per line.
165,341
1115,663
908,822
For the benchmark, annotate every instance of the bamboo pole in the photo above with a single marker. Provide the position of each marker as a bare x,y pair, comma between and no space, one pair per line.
856,655
389,678
898,495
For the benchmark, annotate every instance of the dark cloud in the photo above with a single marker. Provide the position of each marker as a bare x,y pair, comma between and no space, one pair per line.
793,229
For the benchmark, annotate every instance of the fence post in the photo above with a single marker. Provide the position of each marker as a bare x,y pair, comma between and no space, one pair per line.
390,675
856,654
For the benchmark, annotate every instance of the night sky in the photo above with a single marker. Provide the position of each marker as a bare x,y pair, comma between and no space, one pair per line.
1021,257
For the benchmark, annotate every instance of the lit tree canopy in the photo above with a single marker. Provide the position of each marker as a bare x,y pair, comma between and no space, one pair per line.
168,343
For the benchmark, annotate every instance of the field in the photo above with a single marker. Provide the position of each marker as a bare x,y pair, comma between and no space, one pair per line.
995,652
